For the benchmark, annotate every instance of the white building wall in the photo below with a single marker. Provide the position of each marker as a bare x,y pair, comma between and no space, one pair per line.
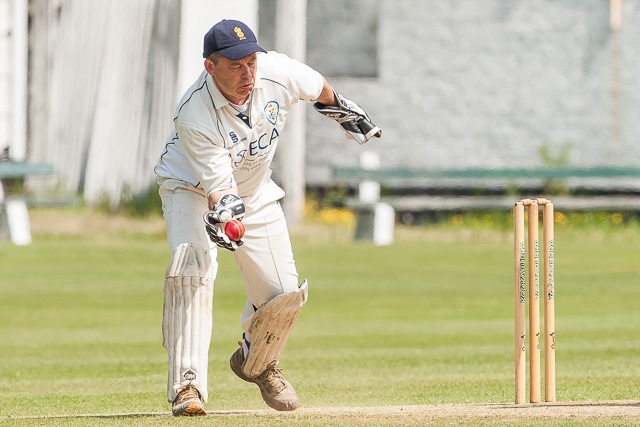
20,73
13,78
5,74
105,83
104,80
197,17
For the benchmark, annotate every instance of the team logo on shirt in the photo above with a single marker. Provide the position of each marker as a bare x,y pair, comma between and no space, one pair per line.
271,111
233,136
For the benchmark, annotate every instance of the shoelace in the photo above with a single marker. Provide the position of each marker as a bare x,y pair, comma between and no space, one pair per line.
189,393
274,378
271,376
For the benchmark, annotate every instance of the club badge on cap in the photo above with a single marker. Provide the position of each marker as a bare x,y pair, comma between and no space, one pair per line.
232,39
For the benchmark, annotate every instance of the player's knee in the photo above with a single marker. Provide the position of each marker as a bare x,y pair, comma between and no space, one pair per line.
189,260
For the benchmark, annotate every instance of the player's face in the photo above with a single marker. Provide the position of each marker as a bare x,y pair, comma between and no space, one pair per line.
235,79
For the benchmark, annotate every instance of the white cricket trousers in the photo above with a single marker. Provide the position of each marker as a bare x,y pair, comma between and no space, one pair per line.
265,259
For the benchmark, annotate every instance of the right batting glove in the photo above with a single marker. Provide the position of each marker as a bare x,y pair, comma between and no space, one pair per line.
351,117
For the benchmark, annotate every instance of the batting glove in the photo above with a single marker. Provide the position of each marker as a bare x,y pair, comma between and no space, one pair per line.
351,117
216,232
228,207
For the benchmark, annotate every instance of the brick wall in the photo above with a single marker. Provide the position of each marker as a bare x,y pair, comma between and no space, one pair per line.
493,83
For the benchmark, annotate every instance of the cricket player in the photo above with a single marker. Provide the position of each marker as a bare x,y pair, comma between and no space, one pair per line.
215,168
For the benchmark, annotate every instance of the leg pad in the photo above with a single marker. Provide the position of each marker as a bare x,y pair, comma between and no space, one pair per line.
188,318
270,330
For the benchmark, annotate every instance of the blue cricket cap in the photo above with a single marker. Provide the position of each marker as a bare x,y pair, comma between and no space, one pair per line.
232,39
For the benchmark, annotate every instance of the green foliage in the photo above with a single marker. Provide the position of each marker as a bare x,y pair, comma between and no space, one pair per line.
141,204
556,186
329,197
503,220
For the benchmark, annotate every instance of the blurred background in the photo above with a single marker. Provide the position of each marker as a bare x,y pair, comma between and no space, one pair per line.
89,88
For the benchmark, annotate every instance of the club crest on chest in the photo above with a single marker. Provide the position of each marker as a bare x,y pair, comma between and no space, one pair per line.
271,111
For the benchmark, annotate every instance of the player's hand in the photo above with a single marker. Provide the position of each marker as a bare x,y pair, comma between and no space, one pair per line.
215,231
351,106
230,206
351,117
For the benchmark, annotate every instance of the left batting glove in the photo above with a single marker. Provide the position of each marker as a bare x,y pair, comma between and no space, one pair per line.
228,207
351,117
216,233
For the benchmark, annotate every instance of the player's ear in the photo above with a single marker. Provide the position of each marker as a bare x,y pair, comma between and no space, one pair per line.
209,66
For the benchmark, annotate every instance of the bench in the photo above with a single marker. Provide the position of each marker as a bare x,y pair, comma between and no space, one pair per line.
368,180
14,217
20,170
469,203
349,174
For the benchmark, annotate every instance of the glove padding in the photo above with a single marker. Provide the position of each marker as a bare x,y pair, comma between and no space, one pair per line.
228,207
215,230
351,117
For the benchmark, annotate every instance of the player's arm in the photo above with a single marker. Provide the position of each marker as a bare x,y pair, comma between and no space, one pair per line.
215,196
328,95
351,117
209,158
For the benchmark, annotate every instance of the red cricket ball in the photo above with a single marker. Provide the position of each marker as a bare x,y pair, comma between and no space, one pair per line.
234,229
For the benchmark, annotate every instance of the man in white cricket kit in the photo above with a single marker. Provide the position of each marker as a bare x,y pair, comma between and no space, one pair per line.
215,168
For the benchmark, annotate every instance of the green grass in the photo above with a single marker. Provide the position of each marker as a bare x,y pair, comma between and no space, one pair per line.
427,320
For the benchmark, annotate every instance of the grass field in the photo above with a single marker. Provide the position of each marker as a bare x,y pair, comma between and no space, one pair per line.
416,333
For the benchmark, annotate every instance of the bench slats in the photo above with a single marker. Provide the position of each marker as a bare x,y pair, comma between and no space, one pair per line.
10,170
340,172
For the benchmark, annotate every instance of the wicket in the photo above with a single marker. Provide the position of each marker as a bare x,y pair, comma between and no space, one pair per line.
531,256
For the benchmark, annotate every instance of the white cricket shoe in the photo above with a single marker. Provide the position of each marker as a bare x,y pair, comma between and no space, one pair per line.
276,390
188,402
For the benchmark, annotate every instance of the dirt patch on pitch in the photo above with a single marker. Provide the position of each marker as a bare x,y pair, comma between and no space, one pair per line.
610,413
618,412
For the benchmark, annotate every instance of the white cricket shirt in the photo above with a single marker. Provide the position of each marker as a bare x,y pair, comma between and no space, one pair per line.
214,147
